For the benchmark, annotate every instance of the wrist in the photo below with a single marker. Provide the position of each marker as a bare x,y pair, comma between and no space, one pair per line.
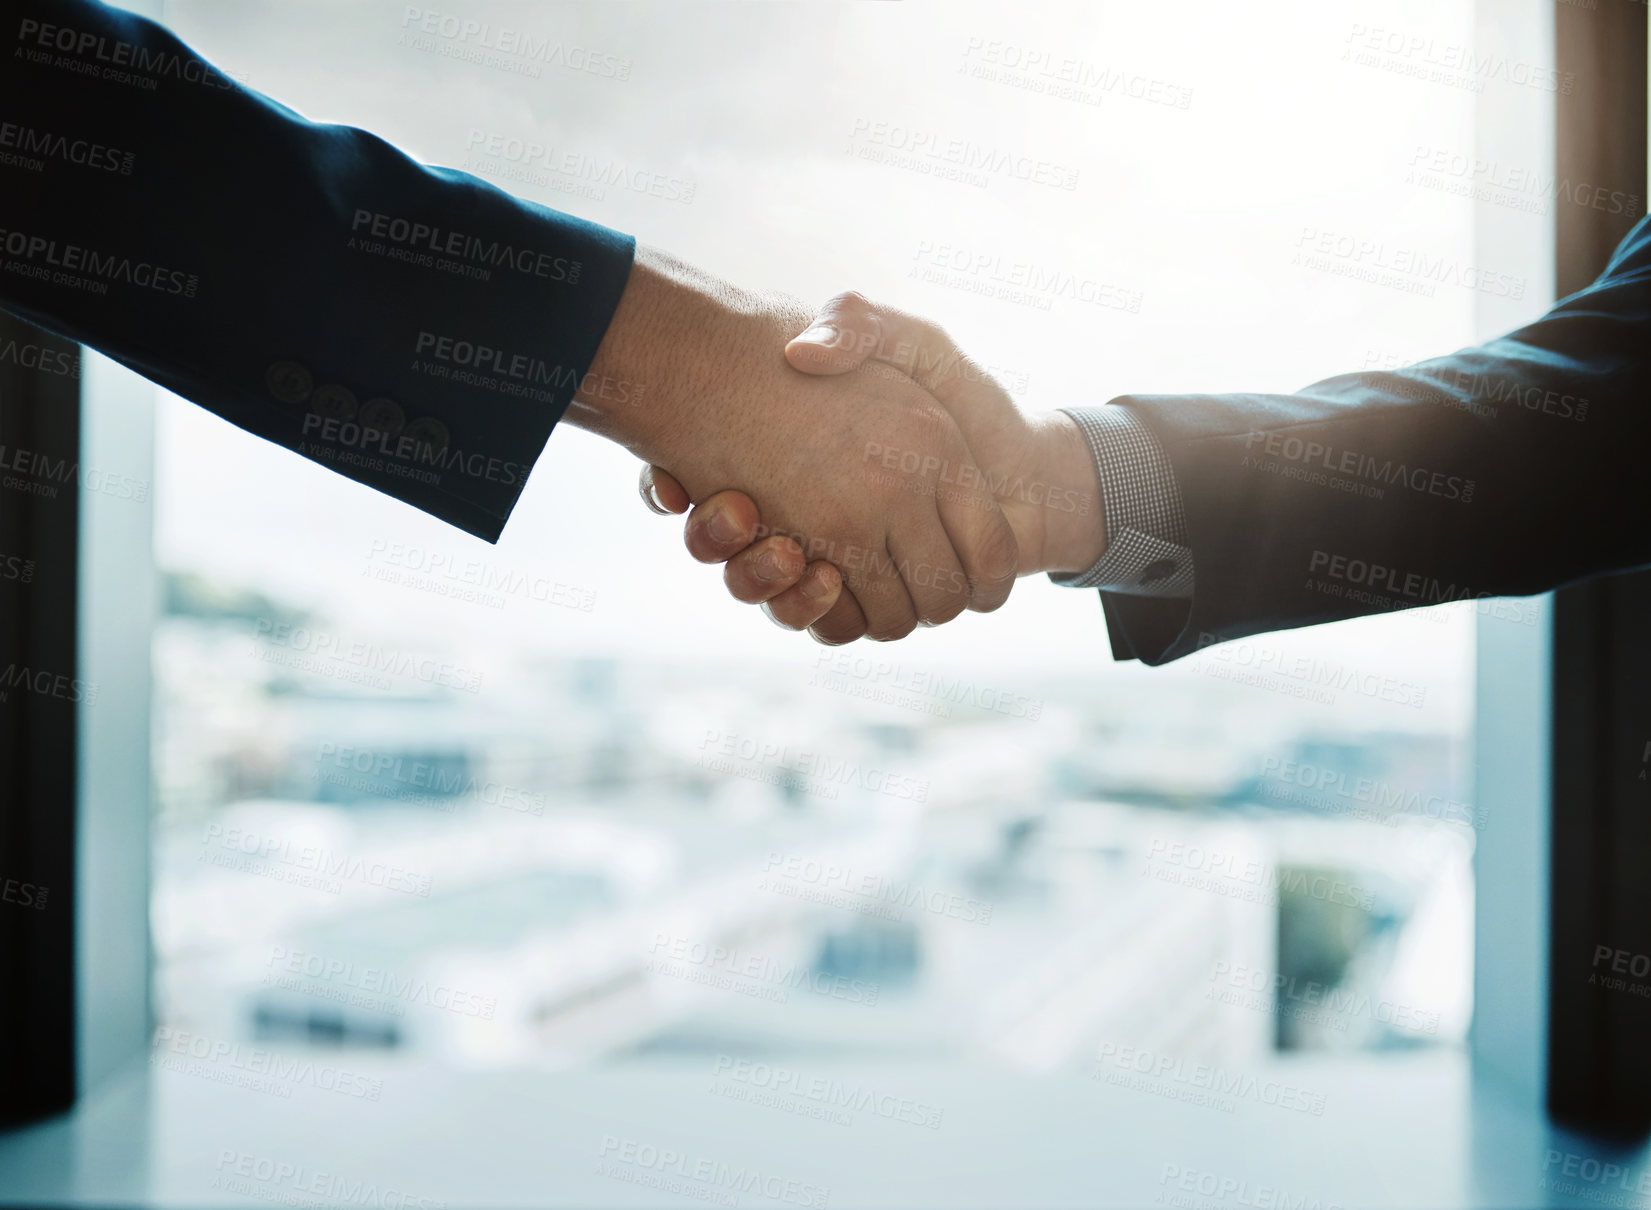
1073,521
655,372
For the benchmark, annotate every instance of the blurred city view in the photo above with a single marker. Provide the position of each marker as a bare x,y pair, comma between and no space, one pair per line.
579,808
831,859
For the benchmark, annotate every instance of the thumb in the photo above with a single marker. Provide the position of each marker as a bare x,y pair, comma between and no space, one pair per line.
850,330
661,492
844,332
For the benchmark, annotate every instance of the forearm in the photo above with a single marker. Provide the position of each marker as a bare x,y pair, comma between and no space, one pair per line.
1499,470
413,328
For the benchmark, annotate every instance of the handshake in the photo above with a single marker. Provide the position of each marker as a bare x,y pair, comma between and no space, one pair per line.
881,480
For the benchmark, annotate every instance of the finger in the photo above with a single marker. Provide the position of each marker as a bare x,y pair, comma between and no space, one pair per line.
721,526
932,574
843,333
764,569
661,492
843,622
980,535
883,597
809,600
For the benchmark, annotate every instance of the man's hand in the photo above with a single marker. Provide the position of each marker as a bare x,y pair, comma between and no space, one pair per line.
1040,468
720,406
772,572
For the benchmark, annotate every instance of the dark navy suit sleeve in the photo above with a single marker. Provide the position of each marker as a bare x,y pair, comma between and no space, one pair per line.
413,328
1508,469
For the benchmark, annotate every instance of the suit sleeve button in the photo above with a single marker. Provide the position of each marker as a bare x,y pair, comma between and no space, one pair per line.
1160,570
429,437
288,381
333,402
383,417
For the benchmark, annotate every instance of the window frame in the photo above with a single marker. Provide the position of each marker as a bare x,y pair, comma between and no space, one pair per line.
1599,1038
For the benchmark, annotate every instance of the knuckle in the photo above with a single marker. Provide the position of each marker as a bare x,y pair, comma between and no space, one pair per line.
856,316
997,558
940,612
834,634
851,301
991,603
782,617
938,340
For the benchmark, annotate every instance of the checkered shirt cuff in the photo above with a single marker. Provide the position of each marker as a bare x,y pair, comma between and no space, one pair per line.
1146,526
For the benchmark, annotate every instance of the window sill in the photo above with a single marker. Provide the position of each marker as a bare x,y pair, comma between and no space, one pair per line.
1396,1130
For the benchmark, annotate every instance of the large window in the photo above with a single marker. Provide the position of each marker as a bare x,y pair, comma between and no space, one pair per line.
561,802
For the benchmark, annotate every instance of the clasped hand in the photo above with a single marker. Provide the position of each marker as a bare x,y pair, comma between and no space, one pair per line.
884,481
